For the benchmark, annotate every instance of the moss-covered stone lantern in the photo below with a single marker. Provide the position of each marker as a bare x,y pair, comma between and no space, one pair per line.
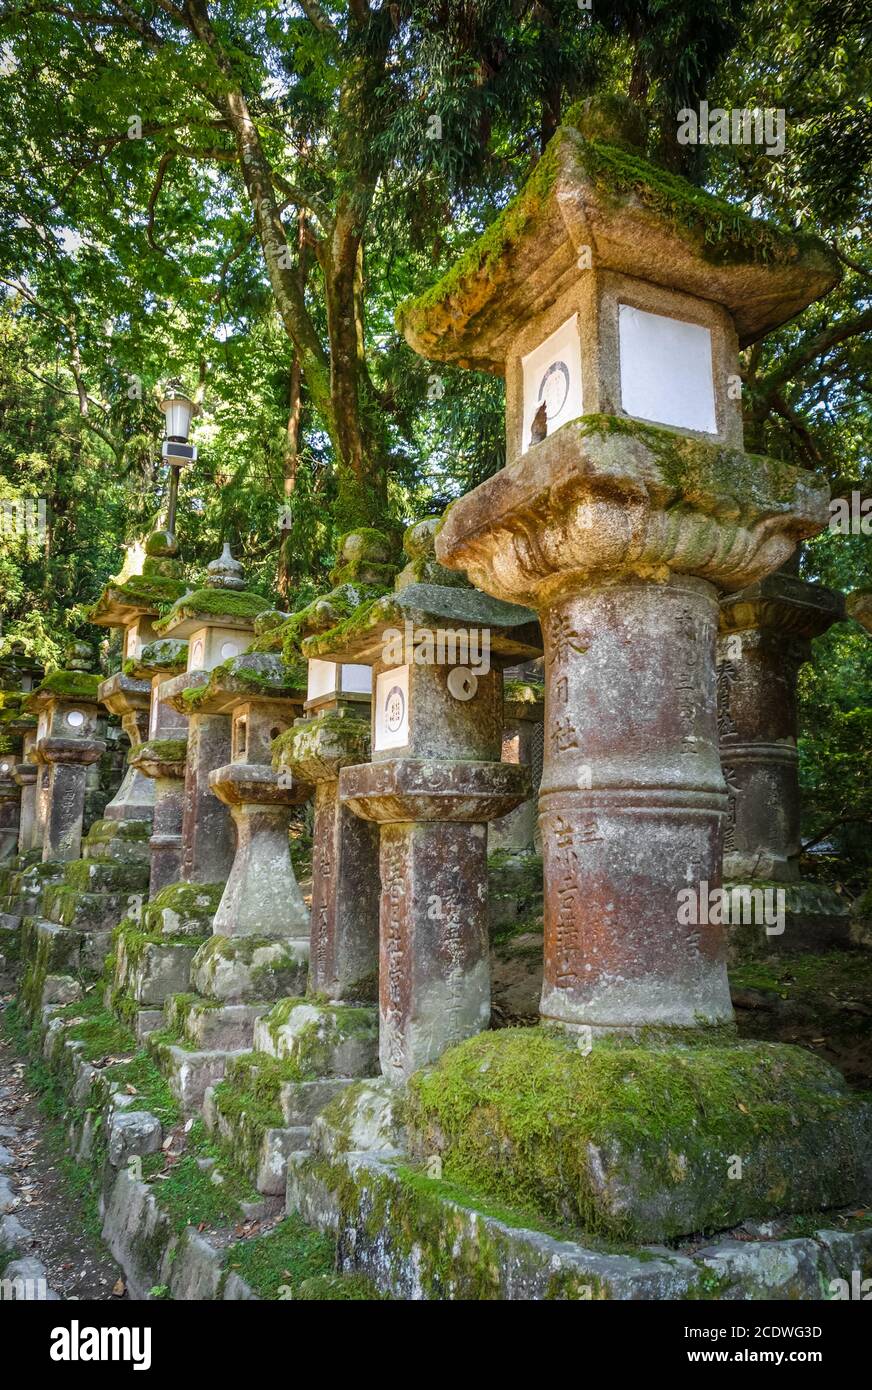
217,620
435,780
623,505
614,298
68,711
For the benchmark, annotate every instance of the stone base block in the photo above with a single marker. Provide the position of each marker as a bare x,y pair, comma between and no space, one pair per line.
301,1101
366,1117
321,1039
250,969
814,919
636,1142
118,841
420,1238
149,971
182,909
206,1023
86,911
189,1073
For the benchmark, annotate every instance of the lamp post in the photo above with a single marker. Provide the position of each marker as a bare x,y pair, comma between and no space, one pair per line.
179,410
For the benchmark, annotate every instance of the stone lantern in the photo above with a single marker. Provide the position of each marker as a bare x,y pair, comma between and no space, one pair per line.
614,297
435,780
217,621
615,308
67,707
131,606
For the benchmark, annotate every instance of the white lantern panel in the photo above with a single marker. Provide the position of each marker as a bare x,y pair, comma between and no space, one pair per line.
357,680
666,370
322,678
392,709
552,379
229,650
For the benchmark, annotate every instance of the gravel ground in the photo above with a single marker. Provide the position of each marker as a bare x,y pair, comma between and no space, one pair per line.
77,1263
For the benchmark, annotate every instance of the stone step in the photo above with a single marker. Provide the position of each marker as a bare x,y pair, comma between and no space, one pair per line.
323,1040
148,971
87,911
301,1101
106,876
189,1072
261,1152
207,1023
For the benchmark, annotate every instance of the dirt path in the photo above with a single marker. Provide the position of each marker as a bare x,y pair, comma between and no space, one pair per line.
54,1217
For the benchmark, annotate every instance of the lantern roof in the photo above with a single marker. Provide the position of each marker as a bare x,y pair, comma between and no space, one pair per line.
588,194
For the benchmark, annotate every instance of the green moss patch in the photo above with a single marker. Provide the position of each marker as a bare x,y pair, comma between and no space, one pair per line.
636,1142
278,1264
213,603
71,685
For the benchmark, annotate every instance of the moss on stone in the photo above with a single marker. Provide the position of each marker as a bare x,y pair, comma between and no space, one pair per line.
214,603
697,470
276,1265
165,750
70,685
508,229
521,1115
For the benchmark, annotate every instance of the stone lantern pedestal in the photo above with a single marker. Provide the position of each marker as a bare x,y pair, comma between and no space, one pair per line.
153,957
766,633
523,712
343,959
26,775
162,758
10,802
433,784
259,946
67,707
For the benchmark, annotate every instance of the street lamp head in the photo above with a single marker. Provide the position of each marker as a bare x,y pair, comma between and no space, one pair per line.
179,411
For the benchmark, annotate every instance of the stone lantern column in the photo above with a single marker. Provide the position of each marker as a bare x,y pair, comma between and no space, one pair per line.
262,897
162,757
434,782
217,621
343,956
523,713
130,605
766,633
68,710
10,799
26,773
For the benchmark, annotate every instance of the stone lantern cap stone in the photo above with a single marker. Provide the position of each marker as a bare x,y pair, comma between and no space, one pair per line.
217,607
783,602
315,750
121,694
635,219
248,679
608,497
80,687
140,596
167,654
514,631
